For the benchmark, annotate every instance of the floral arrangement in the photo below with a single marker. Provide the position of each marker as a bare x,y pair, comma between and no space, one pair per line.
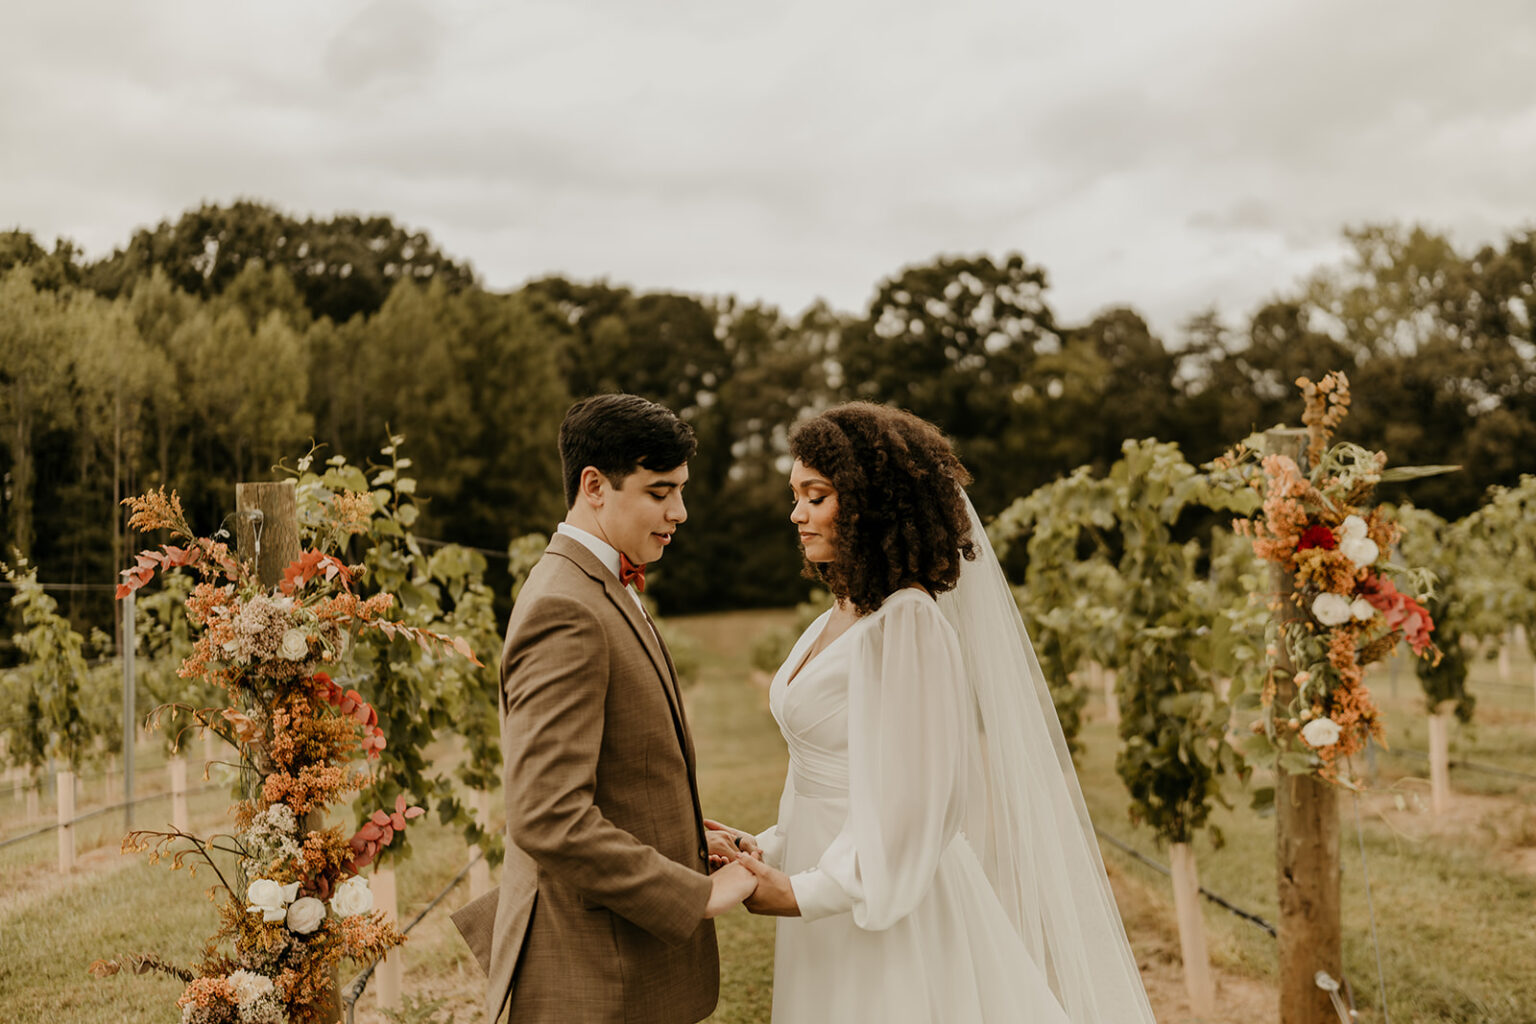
297,904
1347,611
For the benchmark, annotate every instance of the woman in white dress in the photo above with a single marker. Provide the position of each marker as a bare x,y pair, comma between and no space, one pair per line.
932,860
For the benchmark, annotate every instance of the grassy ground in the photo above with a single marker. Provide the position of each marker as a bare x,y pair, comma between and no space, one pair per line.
1453,898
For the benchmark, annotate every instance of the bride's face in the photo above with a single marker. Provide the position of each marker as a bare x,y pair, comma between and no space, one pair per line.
815,512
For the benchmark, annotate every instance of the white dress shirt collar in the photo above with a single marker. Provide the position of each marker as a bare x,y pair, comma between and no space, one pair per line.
605,552
608,555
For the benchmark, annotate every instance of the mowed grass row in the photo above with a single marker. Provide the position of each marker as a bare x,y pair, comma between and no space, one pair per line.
1453,902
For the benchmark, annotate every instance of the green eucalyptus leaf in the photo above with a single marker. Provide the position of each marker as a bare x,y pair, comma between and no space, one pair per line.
1400,473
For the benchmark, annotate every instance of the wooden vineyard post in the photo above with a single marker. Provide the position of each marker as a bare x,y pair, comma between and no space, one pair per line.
1439,761
1306,839
267,528
177,767
267,535
1192,946
1109,677
64,782
388,974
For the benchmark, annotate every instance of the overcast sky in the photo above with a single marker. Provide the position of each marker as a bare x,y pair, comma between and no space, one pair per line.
1167,155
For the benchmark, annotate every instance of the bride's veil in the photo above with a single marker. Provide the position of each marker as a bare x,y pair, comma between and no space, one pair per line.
1032,832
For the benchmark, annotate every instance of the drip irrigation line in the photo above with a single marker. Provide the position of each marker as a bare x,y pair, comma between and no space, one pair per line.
354,988
1220,901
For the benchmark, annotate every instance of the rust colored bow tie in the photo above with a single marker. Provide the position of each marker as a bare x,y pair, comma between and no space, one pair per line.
629,573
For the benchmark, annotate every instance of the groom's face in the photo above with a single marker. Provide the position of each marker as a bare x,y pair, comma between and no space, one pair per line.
640,516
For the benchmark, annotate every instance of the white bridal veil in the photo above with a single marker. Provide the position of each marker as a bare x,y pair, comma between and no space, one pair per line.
1032,832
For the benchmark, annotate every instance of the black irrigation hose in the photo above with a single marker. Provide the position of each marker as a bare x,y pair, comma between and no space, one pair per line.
1220,901
354,988
98,812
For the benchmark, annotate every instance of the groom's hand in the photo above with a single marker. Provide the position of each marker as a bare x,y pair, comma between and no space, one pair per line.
774,895
722,848
727,888
727,844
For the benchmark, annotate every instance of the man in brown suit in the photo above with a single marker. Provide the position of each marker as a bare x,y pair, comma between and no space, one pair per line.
603,914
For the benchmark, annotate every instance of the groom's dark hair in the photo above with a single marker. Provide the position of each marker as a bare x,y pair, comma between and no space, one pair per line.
618,434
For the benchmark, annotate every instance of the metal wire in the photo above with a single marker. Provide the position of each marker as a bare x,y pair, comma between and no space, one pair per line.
1471,766
98,812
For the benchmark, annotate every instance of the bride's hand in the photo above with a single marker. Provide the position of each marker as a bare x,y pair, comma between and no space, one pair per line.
774,895
728,887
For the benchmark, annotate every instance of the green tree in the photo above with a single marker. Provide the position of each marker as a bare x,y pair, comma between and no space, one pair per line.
34,390
343,266
114,376
955,342
50,270
1444,362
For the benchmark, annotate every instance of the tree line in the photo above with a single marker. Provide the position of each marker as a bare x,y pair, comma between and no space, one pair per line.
217,345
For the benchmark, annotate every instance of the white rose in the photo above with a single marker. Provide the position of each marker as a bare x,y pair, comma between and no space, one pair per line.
305,915
1353,526
1362,610
295,646
1360,550
352,897
1331,609
249,986
270,898
1321,732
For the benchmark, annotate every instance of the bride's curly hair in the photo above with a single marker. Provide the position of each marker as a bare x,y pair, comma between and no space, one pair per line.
901,511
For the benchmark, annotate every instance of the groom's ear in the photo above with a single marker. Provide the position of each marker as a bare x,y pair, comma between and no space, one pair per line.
592,488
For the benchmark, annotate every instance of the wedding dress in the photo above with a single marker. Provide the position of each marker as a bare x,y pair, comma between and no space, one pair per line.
933,830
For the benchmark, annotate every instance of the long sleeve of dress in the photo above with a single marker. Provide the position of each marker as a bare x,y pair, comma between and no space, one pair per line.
909,731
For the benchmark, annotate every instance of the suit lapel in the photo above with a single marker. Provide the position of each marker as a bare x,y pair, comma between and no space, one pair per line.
649,639
677,693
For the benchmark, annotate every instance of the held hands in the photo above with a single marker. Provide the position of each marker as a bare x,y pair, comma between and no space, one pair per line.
729,886
730,850
774,896
727,844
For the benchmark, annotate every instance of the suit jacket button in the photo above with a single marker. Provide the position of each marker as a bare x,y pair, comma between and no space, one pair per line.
703,853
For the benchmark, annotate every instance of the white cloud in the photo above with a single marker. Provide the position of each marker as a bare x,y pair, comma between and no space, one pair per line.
1164,156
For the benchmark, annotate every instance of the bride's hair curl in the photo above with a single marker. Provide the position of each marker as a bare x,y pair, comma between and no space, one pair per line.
901,510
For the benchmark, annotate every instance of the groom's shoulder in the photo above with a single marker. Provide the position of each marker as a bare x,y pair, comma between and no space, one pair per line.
557,578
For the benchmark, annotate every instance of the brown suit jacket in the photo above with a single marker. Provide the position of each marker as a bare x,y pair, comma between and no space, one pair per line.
600,913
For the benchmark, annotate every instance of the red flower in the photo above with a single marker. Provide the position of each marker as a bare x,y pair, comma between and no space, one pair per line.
1317,536
1402,613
